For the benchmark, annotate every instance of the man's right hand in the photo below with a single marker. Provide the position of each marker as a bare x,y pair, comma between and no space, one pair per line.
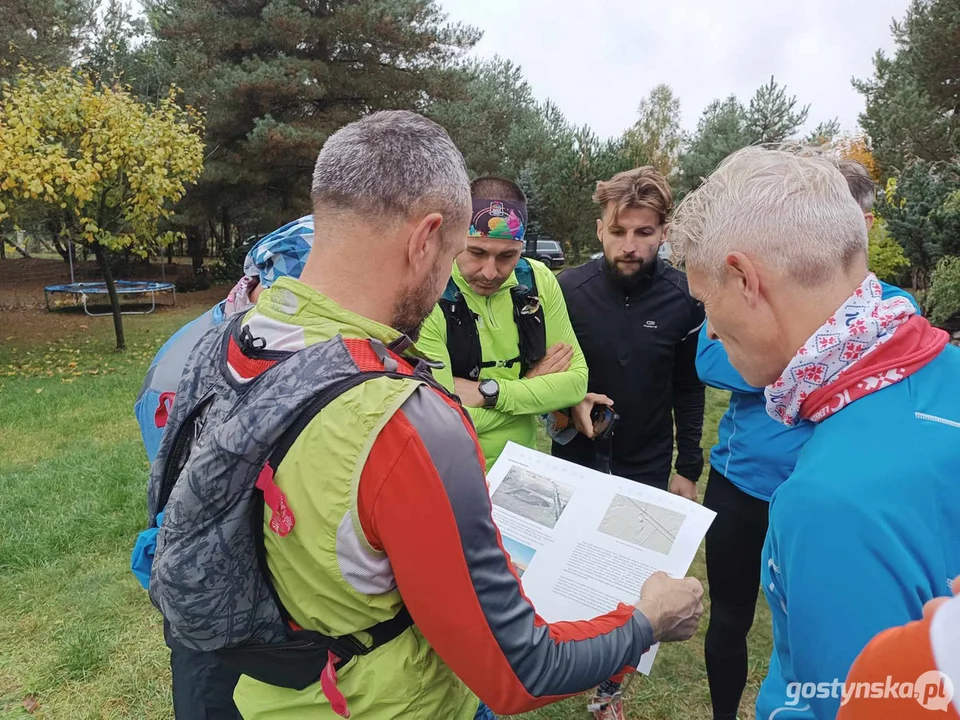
581,412
557,360
672,606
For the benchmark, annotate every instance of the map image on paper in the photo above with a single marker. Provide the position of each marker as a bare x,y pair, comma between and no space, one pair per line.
639,523
532,496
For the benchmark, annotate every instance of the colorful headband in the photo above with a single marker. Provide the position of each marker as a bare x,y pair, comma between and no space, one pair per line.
499,219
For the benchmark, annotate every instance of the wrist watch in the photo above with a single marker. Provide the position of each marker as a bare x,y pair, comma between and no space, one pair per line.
490,390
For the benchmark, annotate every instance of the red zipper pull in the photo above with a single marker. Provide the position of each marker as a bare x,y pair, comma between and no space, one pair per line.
282,519
328,683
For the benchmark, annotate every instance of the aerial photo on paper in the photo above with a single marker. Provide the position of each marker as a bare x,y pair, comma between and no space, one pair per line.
641,523
532,496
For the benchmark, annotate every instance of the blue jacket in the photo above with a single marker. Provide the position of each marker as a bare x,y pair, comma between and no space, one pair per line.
753,451
863,533
164,375
279,254
162,378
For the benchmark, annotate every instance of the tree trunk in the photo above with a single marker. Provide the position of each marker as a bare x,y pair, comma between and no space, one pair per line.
195,249
212,238
225,231
62,250
112,290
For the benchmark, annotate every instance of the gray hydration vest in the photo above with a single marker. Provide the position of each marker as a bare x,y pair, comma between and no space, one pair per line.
213,479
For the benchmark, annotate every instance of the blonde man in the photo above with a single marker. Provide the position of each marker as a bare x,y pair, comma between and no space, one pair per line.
637,326
866,529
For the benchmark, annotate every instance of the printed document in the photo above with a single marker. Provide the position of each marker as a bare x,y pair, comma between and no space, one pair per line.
583,541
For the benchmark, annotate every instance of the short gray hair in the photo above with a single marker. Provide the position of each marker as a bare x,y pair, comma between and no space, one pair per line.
392,163
862,186
792,209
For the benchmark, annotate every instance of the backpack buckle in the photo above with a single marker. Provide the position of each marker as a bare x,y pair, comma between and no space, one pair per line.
248,343
389,364
347,647
532,306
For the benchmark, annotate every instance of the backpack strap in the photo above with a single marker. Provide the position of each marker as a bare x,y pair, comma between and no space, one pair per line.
463,339
528,316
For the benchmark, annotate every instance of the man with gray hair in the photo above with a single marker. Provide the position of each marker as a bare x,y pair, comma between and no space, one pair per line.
864,531
862,187
377,532
753,455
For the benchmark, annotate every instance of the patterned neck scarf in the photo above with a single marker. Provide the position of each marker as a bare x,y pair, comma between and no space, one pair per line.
861,325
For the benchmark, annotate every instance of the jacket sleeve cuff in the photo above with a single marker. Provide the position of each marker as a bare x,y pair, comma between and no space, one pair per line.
690,469
644,630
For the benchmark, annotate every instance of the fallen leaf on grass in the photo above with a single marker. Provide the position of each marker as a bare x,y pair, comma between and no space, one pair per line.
84,327
39,390
30,704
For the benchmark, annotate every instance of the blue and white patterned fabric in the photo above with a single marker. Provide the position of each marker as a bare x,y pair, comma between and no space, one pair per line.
282,253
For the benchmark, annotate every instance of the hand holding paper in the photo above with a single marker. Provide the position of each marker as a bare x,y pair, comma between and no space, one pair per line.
672,606
584,542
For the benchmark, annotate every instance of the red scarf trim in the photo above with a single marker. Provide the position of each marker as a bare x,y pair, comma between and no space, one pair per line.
912,346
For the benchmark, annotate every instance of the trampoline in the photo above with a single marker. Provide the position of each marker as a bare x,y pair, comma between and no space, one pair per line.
83,291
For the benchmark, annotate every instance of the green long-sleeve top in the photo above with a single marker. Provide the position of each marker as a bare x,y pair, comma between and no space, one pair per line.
521,400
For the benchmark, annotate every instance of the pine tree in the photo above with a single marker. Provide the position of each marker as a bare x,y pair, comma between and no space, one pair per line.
913,99
43,33
772,117
528,183
824,133
495,122
277,77
720,131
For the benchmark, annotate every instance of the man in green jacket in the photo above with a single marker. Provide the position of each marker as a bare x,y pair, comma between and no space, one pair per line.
527,361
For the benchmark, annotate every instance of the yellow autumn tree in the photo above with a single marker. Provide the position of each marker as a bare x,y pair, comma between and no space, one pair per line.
96,164
858,147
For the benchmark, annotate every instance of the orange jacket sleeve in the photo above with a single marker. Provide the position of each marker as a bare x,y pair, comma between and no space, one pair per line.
423,500
905,654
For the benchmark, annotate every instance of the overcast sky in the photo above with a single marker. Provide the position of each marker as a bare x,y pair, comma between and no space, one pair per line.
597,59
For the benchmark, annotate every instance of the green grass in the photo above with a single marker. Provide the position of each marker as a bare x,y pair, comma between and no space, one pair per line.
77,633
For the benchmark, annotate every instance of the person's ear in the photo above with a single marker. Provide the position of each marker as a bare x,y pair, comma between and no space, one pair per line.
870,218
741,270
600,230
424,241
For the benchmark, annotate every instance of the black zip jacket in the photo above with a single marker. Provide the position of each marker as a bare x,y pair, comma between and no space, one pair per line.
641,350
